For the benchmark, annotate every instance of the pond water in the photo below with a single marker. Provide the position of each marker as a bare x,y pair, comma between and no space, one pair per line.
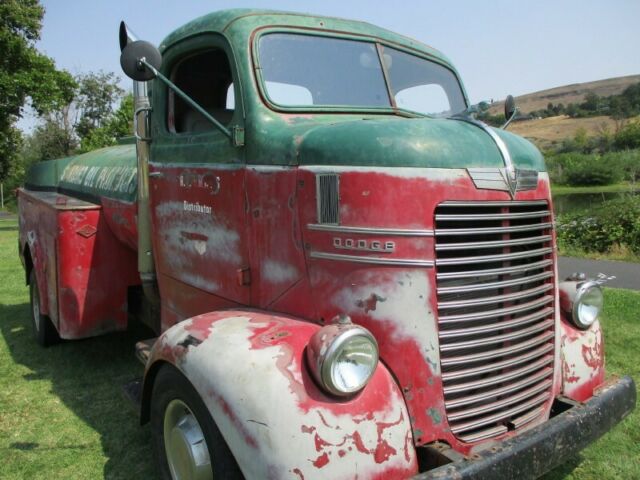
579,202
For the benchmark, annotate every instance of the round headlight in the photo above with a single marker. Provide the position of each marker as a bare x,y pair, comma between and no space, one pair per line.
342,357
587,304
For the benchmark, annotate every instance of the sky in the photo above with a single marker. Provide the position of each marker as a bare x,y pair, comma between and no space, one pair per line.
499,47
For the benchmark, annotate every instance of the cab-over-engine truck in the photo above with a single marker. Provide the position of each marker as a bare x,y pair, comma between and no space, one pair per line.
350,275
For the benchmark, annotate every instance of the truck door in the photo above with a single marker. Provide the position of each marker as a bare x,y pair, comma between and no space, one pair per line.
197,183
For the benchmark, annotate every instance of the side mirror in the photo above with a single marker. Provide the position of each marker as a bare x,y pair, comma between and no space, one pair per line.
510,110
132,56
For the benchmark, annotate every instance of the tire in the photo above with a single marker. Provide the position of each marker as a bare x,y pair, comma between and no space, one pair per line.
174,397
44,331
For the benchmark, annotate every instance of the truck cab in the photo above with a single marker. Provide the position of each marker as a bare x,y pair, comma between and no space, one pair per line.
350,275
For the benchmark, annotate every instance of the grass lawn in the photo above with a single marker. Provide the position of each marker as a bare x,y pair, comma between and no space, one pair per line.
63,414
62,411
615,188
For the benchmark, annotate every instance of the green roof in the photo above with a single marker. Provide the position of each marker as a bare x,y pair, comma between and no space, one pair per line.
245,21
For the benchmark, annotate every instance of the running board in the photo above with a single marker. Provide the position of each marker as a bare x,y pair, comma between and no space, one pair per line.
143,349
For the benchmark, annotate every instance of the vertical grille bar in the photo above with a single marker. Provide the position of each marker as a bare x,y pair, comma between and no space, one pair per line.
495,308
327,197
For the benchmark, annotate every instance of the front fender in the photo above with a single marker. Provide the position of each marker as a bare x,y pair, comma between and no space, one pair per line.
582,355
249,369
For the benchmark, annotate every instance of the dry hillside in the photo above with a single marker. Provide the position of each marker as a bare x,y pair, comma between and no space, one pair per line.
567,94
546,132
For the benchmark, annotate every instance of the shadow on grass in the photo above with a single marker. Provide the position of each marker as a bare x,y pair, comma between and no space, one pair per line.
88,376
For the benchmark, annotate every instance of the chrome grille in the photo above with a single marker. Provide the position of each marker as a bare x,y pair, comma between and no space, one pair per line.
495,284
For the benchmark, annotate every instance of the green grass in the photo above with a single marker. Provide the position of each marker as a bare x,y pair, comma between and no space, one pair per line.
615,188
617,454
63,414
617,254
62,411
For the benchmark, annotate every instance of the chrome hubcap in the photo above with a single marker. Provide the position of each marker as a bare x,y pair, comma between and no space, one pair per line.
185,445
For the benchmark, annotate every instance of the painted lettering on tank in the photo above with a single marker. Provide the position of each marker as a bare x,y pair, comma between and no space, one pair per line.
117,179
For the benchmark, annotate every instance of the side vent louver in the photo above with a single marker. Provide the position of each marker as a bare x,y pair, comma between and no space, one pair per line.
327,196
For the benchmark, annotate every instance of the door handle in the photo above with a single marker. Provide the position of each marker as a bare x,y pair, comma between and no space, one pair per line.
156,175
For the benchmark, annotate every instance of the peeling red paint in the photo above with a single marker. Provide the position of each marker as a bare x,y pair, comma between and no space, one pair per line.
321,461
592,355
369,304
383,451
83,270
358,443
194,236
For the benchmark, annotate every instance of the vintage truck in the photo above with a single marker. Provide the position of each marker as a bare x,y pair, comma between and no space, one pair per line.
349,276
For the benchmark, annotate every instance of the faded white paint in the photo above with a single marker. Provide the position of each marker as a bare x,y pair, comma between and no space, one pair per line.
266,409
573,355
278,272
222,244
406,304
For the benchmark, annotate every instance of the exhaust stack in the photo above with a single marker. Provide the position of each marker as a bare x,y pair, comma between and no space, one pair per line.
142,109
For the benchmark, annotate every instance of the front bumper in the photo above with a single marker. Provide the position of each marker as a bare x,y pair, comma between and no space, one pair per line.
538,450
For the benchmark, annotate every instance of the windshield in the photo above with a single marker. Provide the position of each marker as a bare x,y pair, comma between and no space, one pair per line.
312,71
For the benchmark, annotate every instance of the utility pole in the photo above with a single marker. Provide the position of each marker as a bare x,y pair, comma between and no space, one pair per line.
2,195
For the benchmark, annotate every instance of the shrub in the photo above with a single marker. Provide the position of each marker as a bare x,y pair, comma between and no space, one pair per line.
579,169
592,170
628,136
614,223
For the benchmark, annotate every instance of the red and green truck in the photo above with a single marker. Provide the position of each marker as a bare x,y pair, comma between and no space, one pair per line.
347,274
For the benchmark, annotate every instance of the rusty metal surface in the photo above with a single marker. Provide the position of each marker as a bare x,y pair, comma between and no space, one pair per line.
531,454
82,269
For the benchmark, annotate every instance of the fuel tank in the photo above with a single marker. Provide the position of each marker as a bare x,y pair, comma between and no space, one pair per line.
106,177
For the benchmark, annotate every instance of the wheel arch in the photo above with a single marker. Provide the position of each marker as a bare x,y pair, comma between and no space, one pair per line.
249,368
147,389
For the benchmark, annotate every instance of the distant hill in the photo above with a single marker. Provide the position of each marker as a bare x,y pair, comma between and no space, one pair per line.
567,94
550,131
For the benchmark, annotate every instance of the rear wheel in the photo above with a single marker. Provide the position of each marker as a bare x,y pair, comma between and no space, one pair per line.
43,330
187,442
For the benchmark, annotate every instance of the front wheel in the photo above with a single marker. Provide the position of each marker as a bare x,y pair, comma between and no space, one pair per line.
43,330
187,442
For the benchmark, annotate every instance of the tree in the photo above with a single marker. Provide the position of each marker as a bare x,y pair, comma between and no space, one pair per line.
97,94
25,74
87,121
591,102
119,124
50,140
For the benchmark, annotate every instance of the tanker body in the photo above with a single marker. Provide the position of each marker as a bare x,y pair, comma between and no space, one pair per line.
353,277
78,239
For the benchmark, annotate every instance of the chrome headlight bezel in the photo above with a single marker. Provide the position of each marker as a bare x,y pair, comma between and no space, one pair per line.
581,292
325,348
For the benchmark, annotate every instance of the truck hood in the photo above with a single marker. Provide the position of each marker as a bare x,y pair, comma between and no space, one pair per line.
412,142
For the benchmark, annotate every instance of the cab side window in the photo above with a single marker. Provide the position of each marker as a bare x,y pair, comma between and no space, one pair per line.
206,78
